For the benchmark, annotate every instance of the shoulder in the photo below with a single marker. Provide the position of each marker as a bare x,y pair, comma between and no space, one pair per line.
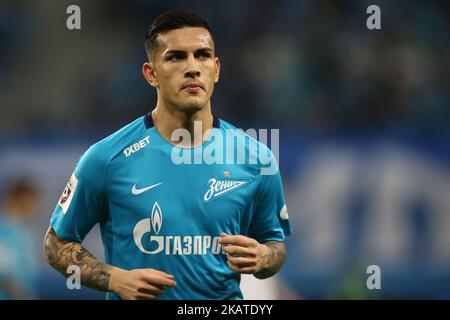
98,155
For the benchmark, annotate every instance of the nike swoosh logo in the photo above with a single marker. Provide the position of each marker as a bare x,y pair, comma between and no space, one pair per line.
137,191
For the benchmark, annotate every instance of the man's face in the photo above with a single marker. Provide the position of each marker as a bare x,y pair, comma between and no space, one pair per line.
184,68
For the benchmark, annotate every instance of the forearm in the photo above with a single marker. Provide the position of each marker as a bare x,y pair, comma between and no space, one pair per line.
60,254
274,259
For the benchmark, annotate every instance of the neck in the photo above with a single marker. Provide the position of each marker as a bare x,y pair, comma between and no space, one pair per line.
167,120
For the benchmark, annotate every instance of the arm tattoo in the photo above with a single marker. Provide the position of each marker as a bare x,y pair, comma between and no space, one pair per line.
275,259
60,254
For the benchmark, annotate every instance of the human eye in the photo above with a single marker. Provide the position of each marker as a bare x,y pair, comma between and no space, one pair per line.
176,57
203,54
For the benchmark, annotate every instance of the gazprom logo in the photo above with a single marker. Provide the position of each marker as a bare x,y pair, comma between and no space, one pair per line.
144,226
156,218
172,245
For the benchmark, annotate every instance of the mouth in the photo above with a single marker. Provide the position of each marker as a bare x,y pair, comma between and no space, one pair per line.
193,88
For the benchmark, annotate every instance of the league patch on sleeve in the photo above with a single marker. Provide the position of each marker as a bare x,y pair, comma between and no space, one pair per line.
66,197
284,213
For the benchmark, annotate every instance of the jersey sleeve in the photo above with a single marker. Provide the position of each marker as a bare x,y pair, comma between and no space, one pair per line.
270,220
83,202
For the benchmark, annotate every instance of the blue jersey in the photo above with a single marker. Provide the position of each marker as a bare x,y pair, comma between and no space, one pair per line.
157,212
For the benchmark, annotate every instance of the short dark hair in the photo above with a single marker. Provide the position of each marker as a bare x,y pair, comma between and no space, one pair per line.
171,20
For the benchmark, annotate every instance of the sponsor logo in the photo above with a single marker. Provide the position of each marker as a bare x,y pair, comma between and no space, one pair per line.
67,195
220,187
137,191
136,147
171,245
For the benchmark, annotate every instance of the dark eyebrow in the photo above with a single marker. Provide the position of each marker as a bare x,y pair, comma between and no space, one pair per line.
174,52
205,49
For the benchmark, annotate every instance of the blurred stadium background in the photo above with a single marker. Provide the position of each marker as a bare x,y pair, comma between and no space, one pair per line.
363,118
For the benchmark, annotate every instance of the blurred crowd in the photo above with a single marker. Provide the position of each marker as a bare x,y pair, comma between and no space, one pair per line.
304,63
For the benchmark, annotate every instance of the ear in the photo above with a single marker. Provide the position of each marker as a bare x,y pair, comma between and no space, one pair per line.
149,74
217,63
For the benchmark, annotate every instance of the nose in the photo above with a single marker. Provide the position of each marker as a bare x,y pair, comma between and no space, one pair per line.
193,69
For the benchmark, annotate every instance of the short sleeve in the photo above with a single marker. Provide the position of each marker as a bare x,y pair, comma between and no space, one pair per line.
270,220
83,202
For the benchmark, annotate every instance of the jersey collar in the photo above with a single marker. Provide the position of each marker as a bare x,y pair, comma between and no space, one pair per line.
149,121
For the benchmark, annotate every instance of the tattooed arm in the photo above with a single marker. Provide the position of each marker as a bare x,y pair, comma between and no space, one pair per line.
60,254
128,284
246,255
274,259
